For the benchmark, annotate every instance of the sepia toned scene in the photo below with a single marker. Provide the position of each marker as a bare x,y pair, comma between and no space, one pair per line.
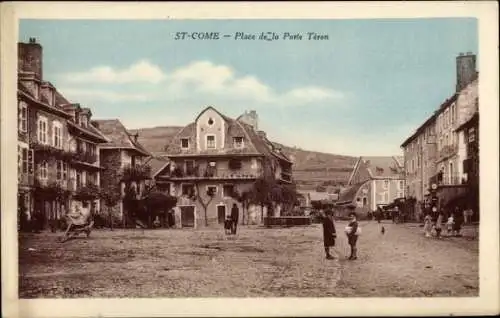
228,158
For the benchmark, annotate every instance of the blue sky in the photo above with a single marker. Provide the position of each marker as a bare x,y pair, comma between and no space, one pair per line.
361,92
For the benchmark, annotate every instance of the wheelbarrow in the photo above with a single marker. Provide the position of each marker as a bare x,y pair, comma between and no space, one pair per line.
77,226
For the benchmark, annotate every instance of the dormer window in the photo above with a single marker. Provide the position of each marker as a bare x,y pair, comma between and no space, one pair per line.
210,142
184,143
238,142
83,121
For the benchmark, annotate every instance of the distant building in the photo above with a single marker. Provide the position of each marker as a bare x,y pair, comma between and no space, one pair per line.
374,182
123,161
435,153
214,160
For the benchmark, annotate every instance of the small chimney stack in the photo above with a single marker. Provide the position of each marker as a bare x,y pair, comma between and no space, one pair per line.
261,134
466,70
30,58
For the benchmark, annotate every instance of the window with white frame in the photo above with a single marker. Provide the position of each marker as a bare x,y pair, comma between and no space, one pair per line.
23,116
24,159
57,135
83,120
210,141
184,143
61,170
401,185
472,134
42,129
238,142
43,170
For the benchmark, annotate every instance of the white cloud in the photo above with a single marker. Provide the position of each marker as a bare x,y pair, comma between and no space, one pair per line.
221,80
142,71
201,80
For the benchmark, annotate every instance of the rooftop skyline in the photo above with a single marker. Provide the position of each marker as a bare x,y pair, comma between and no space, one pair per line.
361,92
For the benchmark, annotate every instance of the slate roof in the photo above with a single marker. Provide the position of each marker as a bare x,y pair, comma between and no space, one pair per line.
157,164
384,167
90,129
25,91
118,136
349,194
253,143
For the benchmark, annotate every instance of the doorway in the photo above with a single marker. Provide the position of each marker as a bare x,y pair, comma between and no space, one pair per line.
221,213
187,216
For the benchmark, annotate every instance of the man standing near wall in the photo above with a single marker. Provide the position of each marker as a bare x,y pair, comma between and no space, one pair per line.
235,212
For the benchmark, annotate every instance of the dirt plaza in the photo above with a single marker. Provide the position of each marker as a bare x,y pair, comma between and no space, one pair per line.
257,262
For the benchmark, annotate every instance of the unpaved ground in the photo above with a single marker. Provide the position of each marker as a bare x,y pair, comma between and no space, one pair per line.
256,263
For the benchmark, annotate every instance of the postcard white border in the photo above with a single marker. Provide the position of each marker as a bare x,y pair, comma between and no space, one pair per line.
487,303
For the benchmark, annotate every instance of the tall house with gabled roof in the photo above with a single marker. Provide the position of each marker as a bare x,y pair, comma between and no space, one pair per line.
212,161
121,155
374,182
58,159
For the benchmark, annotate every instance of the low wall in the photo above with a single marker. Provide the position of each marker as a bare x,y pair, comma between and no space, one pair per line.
287,221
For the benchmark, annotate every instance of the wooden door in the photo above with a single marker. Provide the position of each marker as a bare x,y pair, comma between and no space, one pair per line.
187,216
221,213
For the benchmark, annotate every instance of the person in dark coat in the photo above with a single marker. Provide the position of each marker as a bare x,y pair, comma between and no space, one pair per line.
329,233
235,213
352,235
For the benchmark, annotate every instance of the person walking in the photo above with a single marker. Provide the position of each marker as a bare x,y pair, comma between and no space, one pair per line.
457,226
235,213
329,232
428,225
353,231
439,225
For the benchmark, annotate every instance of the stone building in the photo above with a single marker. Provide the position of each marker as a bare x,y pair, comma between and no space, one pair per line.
123,161
215,159
435,153
468,136
55,173
374,182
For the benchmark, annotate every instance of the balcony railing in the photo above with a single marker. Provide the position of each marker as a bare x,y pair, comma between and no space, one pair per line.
85,156
446,180
212,174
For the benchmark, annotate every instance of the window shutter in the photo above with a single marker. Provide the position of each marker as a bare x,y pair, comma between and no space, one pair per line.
30,161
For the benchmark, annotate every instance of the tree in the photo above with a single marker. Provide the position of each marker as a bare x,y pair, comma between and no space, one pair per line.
260,193
210,194
156,203
110,197
245,198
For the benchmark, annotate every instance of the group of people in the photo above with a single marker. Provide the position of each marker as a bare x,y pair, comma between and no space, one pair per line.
451,224
352,231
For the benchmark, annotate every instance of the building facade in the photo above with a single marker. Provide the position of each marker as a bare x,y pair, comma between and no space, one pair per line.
374,182
54,174
123,161
434,154
212,162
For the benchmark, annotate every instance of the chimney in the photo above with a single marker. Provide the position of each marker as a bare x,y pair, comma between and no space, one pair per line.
466,70
30,58
250,118
261,134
